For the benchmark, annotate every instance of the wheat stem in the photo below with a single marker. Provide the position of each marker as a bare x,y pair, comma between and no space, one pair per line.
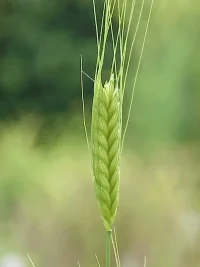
108,248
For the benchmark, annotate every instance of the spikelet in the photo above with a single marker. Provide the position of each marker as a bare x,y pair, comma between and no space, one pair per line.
106,140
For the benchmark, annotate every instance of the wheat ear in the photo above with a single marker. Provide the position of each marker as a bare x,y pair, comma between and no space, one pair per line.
106,139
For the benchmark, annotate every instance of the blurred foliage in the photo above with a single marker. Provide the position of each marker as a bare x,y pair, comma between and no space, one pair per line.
166,106
40,46
47,203
41,43
48,207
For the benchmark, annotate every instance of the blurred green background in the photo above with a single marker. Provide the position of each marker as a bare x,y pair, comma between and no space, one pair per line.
47,203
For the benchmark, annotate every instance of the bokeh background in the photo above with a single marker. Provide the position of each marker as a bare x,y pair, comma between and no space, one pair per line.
47,202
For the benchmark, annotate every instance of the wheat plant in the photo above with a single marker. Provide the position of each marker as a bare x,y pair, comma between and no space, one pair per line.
107,131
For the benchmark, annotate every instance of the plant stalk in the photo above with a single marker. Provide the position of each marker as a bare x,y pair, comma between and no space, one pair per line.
108,248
